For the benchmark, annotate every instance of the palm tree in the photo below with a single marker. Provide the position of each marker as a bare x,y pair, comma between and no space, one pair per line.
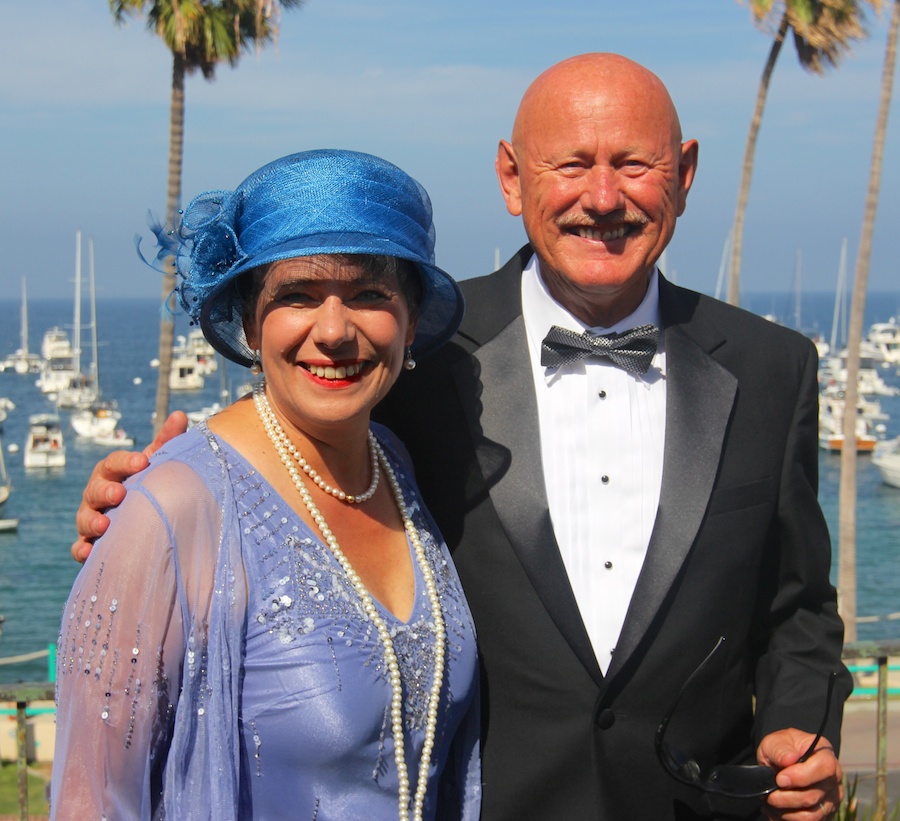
847,492
823,31
201,34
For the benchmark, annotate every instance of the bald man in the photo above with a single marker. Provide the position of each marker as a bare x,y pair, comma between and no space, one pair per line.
619,504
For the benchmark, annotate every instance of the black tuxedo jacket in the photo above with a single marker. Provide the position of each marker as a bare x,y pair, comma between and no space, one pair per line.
740,549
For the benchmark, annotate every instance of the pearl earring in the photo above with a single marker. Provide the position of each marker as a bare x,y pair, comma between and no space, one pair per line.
256,367
409,363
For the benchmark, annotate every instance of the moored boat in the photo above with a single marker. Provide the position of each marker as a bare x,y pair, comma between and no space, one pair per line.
44,446
5,483
185,374
98,420
195,345
833,372
885,339
886,458
193,359
831,427
58,362
115,439
6,405
22,361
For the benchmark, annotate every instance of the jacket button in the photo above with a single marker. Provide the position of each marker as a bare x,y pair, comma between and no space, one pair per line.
606,719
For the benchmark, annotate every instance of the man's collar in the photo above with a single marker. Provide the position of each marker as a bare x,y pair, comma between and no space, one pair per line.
540,307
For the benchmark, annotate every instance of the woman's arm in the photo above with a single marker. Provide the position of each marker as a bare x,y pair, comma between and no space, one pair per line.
119,666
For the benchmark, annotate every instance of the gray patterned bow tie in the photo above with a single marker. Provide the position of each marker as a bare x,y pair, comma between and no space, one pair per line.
632,350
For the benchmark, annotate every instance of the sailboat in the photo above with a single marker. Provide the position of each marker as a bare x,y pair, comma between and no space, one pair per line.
60,358
887,459
6,405
82,389
831,426
57,362
96,419
22,361
5,490
5,483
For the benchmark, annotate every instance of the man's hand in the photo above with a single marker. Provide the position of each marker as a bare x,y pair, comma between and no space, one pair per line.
811,789
105,489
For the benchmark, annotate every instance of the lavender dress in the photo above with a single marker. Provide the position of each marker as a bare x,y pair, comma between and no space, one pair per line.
214,662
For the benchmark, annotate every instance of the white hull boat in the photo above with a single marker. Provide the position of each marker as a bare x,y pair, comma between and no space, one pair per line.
58,362
869,382
6,405
887,459
195,346
44,447
22,361
64,380
185,374
885,338
193,359
5,483
198,416
98,420
831,427
115,439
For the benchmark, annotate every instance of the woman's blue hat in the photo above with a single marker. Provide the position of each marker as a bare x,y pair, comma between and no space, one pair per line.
314,202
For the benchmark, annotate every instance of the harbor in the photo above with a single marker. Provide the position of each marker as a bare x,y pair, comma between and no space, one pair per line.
37,572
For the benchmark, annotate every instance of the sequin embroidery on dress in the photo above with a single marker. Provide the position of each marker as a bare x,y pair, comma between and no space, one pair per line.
302,587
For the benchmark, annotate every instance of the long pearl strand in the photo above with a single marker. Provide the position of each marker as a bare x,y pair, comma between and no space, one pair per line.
313,474
288,455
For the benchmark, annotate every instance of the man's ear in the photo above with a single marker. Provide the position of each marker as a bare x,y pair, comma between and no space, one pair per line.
507,167
687,168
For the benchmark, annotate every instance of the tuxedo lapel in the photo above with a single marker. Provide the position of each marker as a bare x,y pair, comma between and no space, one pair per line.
505,431
700,395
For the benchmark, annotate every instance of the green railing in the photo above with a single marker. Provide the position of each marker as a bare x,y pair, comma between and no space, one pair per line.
878,651
23,695
881,651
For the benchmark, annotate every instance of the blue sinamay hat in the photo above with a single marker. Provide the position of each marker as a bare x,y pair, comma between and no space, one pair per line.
315,202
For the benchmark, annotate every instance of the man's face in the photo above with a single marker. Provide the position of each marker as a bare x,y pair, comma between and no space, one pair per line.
599,178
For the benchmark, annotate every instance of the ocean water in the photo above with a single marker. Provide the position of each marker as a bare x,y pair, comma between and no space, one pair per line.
36,570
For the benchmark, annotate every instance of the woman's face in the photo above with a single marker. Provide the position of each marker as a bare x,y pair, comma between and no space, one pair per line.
331,337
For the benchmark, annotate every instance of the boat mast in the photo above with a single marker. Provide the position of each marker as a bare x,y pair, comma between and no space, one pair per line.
95,363
24,323
840,299
724,263
77,334
4,476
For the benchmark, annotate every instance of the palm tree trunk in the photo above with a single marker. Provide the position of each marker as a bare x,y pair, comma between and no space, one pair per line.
737,241
847,493
173,200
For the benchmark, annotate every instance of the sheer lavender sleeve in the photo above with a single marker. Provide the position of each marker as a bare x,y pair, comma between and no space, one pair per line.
146,678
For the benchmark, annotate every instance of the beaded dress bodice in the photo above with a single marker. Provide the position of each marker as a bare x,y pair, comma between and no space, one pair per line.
298,658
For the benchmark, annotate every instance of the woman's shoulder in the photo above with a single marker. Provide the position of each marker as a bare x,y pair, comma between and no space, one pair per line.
195,456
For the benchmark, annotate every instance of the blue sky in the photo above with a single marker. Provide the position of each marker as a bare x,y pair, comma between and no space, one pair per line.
84,109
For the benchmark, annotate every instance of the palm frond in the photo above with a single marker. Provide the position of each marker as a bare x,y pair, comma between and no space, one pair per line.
205,34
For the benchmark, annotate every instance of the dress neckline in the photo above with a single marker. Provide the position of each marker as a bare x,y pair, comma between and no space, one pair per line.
235,455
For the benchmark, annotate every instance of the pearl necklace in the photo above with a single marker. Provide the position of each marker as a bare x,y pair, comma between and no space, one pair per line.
313,474
336,491
288,455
